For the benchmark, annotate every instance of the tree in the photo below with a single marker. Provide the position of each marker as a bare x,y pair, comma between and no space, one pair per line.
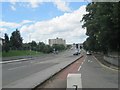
16,40
102,26
58,47
6,43
33,45
40,47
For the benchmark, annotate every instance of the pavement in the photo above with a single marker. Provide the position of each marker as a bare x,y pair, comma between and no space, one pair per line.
94,76
105,63
30,73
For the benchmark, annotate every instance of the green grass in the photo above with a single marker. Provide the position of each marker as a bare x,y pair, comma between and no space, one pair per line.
20,53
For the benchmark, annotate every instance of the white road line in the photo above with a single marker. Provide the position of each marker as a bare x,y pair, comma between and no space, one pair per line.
16,68
79,68
14,60
81,64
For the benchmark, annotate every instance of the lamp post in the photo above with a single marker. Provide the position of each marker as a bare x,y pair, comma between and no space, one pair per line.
30,44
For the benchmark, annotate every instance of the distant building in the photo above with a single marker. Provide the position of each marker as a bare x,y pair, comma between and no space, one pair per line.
57,41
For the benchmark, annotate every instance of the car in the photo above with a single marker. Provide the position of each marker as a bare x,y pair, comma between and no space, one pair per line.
77,52
88,53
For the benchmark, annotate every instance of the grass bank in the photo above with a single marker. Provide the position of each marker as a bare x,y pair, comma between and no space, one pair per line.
20,53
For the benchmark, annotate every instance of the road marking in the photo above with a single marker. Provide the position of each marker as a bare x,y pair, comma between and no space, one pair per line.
16,68
79,68
33,62
14,60
81,64
103,64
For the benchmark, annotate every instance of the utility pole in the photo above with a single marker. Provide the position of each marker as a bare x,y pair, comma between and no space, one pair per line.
30,44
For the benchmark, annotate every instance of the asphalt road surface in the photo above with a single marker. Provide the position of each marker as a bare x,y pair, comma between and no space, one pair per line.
96,76
93,75
17,70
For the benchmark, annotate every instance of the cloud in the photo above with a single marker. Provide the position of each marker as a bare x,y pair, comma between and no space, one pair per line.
62,5
13,8
34,3
26,21
67,26
30,3
9,24
3,29
14,25
13,2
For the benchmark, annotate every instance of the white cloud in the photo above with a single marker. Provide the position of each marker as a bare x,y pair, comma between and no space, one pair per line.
62,5
14,25
13,2
31,3
34,3
13,8
67,26
3,29
26,21
9,24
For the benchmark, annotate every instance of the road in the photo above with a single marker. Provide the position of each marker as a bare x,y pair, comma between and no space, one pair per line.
12,72
96,76
93,75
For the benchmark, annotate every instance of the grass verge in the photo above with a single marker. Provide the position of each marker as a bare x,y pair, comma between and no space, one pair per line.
20,53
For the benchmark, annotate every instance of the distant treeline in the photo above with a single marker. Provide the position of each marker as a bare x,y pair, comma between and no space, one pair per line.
15,42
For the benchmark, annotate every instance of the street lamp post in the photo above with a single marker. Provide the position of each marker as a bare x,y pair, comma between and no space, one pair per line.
30,44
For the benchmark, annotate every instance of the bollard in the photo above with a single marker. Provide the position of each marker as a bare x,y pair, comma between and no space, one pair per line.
74,81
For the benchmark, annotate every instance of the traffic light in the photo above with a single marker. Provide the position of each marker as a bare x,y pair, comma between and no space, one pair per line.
80,47
77,46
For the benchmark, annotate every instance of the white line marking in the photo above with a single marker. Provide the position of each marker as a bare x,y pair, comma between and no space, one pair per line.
81,64
14,60
16,68
79,68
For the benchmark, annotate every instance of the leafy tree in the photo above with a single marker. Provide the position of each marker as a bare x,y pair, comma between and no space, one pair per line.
26,46
47,49
58,46
6,43
16,40
40,46
102,26
33,45
69,46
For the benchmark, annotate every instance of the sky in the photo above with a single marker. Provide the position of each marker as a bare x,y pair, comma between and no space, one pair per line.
40,21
